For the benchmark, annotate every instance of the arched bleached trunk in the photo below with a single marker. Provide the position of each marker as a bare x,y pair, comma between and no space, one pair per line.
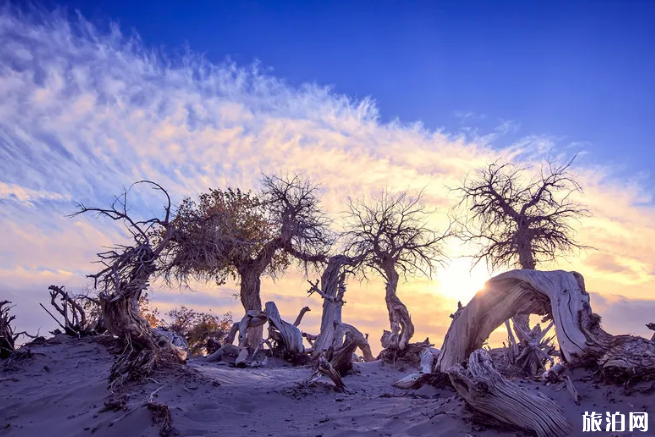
578,330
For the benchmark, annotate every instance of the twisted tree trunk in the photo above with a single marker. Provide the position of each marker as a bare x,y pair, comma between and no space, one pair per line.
126,274
331,337
144,346
250,294
402,328
526,260
332,294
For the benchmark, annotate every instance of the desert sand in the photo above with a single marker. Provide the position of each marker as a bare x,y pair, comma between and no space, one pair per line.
62,390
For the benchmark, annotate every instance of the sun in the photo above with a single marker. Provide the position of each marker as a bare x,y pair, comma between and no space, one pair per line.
457,281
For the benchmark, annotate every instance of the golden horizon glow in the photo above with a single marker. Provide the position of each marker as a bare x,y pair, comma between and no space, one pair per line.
458,281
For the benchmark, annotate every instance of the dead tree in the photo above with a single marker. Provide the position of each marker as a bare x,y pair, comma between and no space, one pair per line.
231,234
518,221
284,338
341,359
126,272
71,309
393,232
579,334
7,335
332,289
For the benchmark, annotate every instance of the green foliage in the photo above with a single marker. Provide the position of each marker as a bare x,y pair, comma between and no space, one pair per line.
198,328
219,233
151,315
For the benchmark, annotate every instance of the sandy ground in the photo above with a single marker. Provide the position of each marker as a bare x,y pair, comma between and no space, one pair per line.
62,391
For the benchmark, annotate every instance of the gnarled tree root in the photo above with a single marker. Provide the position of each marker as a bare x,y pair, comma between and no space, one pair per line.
161,415
485,390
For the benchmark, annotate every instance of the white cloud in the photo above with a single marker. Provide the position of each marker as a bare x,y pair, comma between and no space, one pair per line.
85,113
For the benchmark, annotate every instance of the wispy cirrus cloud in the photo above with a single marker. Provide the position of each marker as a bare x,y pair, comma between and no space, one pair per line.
87,112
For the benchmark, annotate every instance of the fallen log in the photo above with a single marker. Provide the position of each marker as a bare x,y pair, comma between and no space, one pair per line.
409,355
427,360
325,368
227,353
485,390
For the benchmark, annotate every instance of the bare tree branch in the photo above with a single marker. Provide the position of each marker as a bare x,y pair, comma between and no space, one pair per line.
516,221
393,235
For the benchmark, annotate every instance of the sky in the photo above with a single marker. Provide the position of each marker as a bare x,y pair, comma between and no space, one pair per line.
356,96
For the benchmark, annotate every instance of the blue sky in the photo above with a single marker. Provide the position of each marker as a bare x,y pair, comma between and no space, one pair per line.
88,107
578,71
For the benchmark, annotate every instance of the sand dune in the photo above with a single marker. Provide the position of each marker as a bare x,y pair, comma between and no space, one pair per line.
62,391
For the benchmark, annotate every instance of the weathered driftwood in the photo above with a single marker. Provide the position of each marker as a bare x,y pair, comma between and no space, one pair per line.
560,294
287,337
535,350
324,367
252,319
229,338
332,289
75,321
360,341
227,353
342,359
651,326
172,336
427,356
487,391
289,334
571,389
301,315
409,355
554,375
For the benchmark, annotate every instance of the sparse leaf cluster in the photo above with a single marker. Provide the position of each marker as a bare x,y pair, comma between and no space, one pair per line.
200,329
